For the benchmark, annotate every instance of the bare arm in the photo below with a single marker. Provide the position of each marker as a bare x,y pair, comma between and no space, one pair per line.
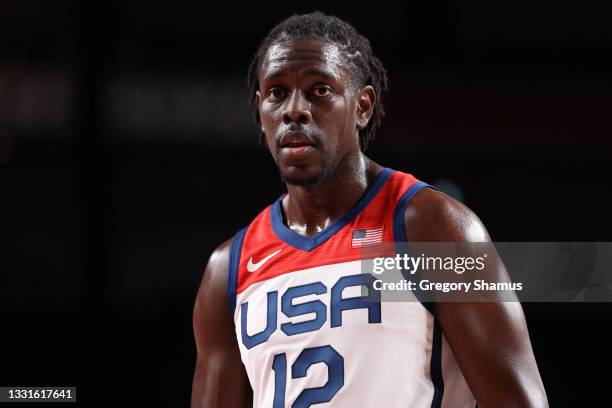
489,340
219,379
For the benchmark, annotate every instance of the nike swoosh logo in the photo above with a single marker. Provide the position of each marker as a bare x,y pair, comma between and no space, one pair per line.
252,267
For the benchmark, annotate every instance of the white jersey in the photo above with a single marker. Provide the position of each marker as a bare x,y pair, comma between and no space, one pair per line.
306,334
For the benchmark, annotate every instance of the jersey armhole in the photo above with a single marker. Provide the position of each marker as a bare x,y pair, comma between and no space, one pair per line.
402,246
232,269
399,230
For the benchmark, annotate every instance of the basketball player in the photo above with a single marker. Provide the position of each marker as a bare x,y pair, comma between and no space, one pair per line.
277,322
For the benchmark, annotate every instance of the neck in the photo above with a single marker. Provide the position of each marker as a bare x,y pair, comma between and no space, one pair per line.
310,209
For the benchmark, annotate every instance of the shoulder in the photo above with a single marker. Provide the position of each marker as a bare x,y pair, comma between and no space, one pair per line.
219,258
433,216
214,279
211,303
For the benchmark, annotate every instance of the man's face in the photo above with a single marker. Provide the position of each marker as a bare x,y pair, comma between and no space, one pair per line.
308,108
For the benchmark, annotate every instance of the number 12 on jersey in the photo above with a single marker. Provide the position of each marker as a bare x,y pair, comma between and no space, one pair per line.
309,396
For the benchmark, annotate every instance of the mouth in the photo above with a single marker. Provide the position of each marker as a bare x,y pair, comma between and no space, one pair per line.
296,144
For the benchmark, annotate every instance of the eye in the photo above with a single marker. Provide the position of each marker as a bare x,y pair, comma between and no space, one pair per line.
321,90
276,93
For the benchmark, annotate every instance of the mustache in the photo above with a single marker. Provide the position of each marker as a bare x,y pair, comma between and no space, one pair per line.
316,137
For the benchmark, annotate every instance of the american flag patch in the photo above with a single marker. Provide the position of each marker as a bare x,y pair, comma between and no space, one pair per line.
366,236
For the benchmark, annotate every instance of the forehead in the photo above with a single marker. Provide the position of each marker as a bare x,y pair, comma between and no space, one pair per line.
304,54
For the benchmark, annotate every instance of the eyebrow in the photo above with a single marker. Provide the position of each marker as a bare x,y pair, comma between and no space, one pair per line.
311,71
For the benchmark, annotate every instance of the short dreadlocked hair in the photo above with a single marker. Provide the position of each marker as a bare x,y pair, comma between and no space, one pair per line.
367,69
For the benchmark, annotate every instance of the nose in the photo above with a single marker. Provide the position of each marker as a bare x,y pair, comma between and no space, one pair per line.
297,109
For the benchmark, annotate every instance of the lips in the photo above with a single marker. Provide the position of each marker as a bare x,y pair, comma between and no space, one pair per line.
297,143
296,140
296,146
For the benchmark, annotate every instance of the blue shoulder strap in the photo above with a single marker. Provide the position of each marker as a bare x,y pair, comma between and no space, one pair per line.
401,240
232,270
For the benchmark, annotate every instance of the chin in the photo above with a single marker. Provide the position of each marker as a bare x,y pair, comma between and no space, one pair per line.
303,176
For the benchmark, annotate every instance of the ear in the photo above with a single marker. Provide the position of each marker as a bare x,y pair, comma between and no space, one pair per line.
365,106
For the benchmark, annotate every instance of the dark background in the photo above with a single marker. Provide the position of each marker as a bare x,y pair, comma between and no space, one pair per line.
127,153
